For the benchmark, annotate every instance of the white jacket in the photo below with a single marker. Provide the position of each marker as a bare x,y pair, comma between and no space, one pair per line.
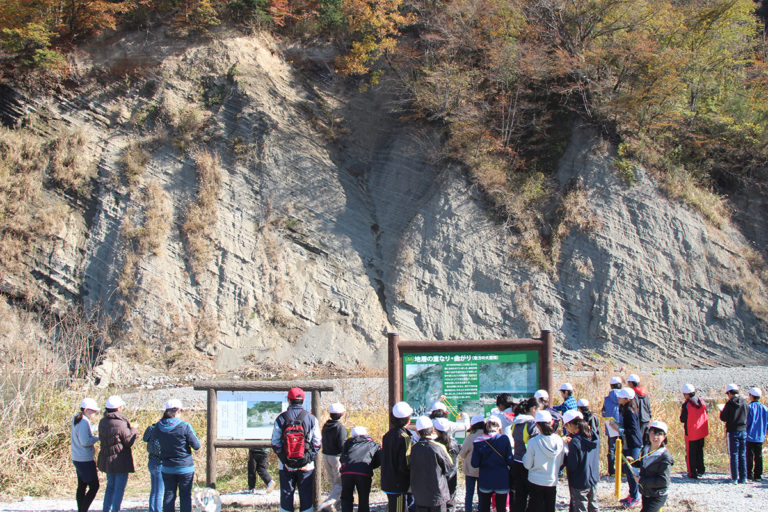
543,459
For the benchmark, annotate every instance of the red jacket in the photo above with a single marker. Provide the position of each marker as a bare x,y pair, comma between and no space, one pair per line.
694,419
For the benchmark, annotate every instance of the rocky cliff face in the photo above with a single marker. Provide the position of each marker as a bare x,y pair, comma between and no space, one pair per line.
332,225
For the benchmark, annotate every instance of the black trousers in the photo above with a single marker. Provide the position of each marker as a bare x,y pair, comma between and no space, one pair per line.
754,460
500,500
518,482
541,499
348,485
257,465
86,492
653,504
694,457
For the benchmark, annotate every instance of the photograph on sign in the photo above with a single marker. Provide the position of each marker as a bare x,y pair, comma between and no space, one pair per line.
249,414
468,381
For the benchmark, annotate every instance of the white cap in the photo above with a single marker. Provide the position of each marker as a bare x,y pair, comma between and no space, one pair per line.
543,417
173,403
570,415
90,403
442,424
633,378
688,388
626,393
358,431
114,402
756,392
336,408
566,386
477,418
616,380
659,425
542,393
493,419
583,402
731,387
423,422
438,406
401,410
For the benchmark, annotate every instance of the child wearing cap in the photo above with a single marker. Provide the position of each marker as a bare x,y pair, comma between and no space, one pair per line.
757,424
569,402
543,458
522,431
471,473
82,441
611,410
440,410
395,451
633,441
360,455
693,416
654,477
177,440
332,440
443,436
431,467
582,460
643,406
116,436
734,414
492,456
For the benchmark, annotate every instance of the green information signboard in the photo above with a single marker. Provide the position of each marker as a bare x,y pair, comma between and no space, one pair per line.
468,381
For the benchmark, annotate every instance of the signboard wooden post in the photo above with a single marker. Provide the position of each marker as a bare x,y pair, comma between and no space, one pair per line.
313,388
468,373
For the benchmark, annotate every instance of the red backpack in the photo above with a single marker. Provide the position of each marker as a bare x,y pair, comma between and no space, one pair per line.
295,453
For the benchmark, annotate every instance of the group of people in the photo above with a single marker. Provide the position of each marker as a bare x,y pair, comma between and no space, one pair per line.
512,457
170,442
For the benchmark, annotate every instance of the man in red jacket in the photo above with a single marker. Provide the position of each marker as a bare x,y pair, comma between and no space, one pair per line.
693,416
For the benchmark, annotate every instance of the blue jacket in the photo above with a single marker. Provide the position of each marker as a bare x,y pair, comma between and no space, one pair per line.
177,440
611,407
633,435
757,422
493,457
583,462
568,405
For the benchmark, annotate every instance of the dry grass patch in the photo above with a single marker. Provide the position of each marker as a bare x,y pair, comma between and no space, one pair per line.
201,215
71,164
135,160
680,184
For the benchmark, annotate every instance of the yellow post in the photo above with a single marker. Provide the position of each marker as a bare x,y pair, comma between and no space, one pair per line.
617,483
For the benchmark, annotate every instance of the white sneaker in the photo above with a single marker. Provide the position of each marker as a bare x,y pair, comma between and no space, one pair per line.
270,487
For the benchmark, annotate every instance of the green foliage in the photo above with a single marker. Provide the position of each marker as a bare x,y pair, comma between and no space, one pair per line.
625,165
251,11
331,16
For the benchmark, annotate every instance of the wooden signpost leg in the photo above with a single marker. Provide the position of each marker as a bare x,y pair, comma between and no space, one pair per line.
210,449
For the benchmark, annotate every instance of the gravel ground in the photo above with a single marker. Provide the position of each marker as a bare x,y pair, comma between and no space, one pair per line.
710,494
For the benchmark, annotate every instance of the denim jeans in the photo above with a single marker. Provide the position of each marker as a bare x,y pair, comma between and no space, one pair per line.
113,495
183,482
157,488
634,487
737,451
469,495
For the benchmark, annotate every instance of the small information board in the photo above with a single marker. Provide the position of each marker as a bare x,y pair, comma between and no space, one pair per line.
250,415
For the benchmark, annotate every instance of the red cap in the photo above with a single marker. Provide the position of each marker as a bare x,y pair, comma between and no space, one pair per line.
295,394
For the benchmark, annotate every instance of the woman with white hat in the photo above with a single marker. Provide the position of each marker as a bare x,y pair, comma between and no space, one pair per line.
116,436
177,440
82,441
443,436
543,458
654,477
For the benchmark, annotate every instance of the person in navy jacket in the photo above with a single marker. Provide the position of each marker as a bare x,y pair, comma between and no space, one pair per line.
492,455
177,439
582,461
757,424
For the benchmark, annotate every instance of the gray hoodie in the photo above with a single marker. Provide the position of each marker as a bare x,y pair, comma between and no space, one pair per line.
82,441
543,459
